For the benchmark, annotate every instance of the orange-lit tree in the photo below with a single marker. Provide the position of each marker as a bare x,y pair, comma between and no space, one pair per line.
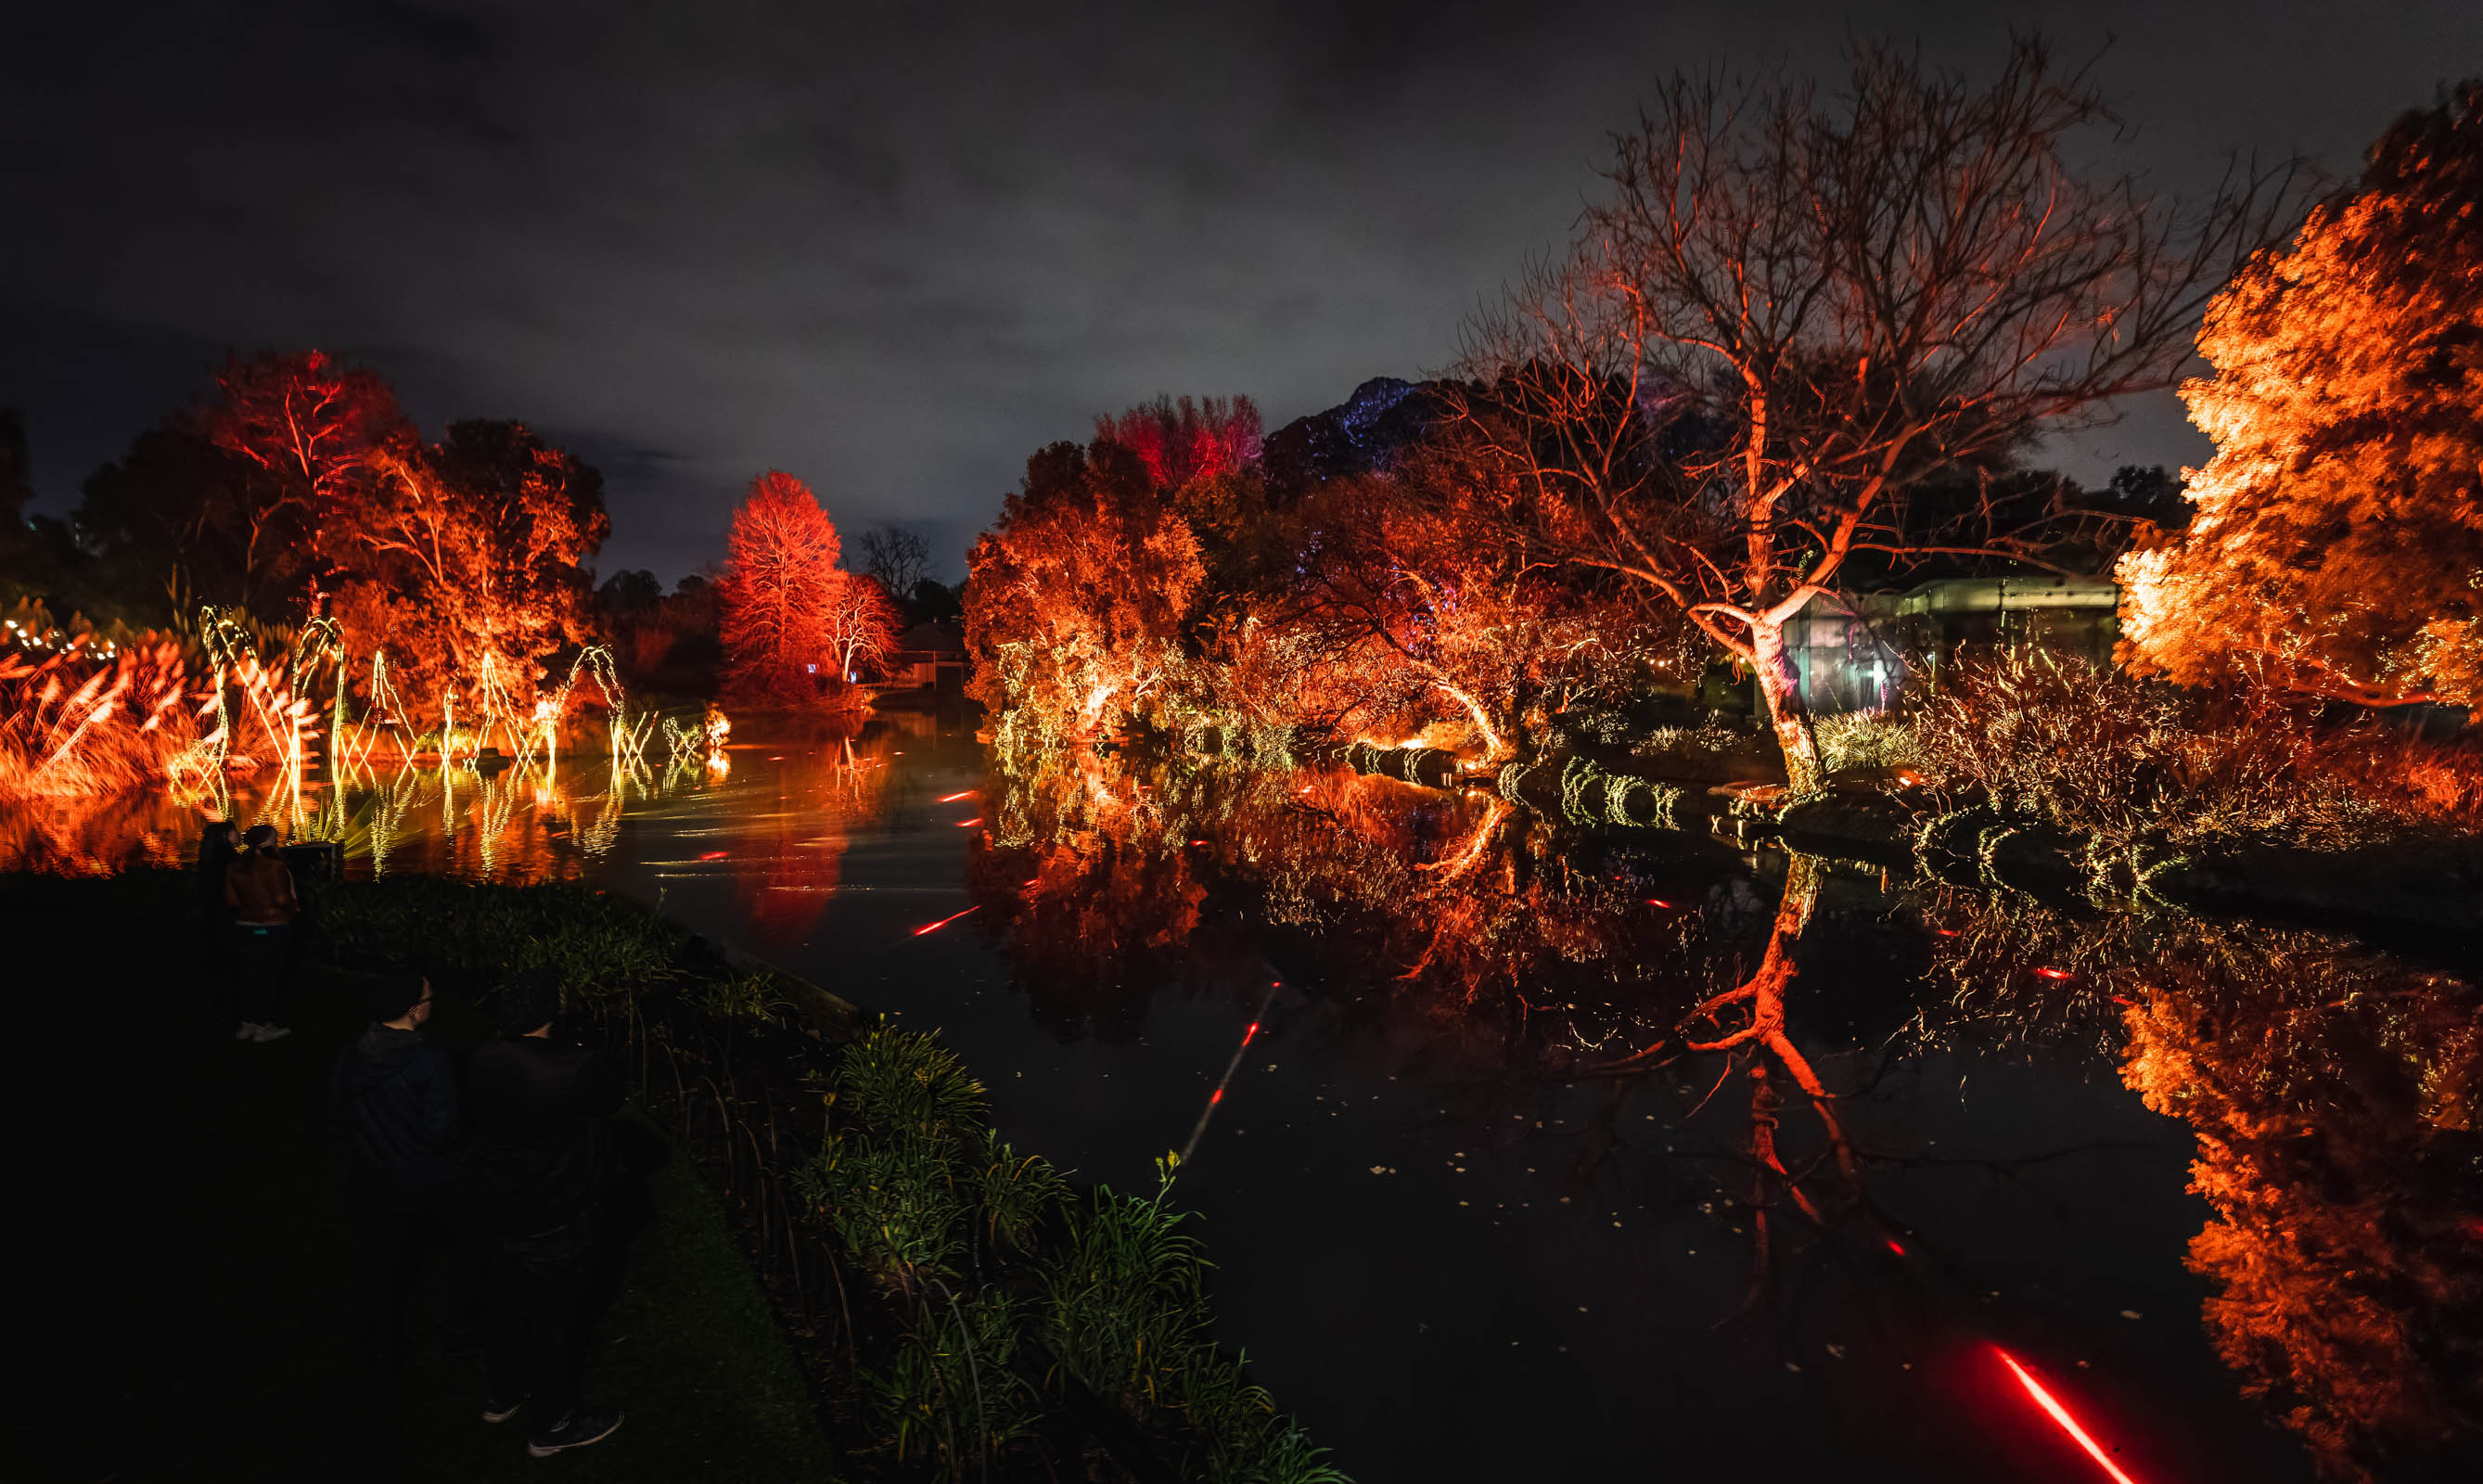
1417,613
2338,544
1076,598
1790,309
468,550
780,586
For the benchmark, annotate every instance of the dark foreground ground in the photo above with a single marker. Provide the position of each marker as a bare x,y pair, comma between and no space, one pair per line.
176,1302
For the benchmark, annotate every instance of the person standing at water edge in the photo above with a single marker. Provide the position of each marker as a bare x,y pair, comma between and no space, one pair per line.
258,886
219,844
393,1099
542,1108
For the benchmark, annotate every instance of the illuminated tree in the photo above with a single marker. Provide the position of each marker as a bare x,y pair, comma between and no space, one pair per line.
316,436
2336,547
1415,612
467,550
1076,599
1183,441
780,583
861,626
1789,310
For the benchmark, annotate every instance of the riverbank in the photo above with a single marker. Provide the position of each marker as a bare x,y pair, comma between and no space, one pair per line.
186,1251
2428,880
899,1286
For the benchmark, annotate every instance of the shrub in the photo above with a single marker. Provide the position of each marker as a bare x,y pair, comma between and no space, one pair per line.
1865,739
2142,771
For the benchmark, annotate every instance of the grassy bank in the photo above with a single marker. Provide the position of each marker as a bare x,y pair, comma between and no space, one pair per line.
963,1310
181,1307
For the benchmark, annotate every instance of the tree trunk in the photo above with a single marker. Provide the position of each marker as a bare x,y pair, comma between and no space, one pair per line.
1787,712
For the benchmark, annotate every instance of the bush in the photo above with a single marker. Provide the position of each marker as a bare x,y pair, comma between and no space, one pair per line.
2144,772
1865,739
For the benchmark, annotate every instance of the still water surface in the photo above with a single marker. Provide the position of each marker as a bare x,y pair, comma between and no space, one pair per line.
1565,1157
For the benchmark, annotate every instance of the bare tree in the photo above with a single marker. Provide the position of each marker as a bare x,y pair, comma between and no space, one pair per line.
1789,309
894,558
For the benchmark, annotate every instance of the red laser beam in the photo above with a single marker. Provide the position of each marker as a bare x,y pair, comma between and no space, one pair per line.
1190,1149
2061,1415
713,855
964,824
1657,901
945,921
954,797
2054,973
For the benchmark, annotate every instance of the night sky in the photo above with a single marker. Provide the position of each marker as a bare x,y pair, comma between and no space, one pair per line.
894,249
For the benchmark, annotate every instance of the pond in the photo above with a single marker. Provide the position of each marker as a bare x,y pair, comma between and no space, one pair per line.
1526,1155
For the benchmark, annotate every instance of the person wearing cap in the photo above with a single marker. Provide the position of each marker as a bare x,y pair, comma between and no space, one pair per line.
392,1100
541,1106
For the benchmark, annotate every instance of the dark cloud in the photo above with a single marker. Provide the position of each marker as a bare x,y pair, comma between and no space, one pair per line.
895,247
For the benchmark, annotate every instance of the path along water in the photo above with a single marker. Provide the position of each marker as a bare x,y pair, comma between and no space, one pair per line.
1529,1155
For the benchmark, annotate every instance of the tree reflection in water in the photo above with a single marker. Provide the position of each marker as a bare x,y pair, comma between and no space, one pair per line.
2332,1090
2333,1095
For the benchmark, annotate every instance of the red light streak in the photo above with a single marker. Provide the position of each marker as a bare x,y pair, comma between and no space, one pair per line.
954,797
713,855
945,921
1896,1247
2054,973
963,823
2061,1415
1945,932
1657,901
1189,1149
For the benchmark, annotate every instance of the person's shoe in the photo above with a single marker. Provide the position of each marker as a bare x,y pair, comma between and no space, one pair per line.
269,1030
573,1431
501,1410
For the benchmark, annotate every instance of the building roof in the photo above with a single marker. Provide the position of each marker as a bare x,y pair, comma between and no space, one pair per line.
940,636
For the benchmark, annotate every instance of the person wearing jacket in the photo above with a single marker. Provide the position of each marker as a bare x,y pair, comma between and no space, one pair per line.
392,1100
542,1108
258,886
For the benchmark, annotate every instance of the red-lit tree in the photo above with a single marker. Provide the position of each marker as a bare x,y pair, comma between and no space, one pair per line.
780,588
2338,544
1181,441
316,436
